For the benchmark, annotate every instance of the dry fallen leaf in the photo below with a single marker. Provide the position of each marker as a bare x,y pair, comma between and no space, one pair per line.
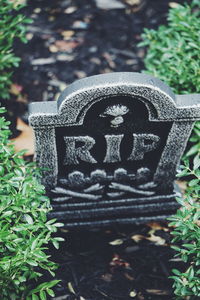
173,4
107,277
70,287
16,89
116,242
182,185
136,5
133,294
156,239
157,292
80,74
157,226
118,262
137,237
70,10
129,277
25,140
67,34
140,296
133,2
63,46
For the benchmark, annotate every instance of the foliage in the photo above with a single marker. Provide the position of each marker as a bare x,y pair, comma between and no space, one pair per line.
187,231
173,50
173,54
25,231
12,26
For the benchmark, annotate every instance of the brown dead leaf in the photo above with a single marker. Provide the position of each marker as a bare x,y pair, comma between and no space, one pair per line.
70,10
140,296
136,5
156,239
51,18
118,262
157,226
53,49
63,230
22,99
67,34
182,185
16,89
129,277
107,277
157,292
64,46
116,242
25,140
133,2
137,237
109,60
197,222
80,74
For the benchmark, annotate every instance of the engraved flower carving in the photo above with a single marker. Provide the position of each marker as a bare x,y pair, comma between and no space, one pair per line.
116,112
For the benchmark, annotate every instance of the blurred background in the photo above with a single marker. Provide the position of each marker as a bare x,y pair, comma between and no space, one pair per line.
72,39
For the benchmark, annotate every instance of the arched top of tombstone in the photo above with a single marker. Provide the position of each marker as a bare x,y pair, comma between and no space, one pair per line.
76,99
74,102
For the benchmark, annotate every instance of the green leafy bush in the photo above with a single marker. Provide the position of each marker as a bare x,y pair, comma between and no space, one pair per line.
11,27
25,231
173,50
173,55
187,231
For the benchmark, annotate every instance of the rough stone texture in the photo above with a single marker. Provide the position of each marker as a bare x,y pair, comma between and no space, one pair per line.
111,145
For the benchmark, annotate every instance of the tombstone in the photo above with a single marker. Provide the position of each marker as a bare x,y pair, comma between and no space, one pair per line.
110,147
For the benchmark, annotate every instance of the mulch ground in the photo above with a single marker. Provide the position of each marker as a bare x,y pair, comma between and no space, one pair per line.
69,40
116,263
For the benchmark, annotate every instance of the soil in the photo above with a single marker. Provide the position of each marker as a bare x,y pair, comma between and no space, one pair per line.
132,262
69,40
72,39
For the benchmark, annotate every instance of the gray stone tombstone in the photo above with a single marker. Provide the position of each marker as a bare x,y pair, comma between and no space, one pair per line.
110,147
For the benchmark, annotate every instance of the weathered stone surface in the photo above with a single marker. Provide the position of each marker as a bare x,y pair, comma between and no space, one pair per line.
111,145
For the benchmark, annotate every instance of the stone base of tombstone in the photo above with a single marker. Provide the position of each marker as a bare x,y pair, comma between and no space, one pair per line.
110,147
85,214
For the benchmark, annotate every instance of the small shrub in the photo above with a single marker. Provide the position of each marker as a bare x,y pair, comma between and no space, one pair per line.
11,27
187,231
25,231
173,50
173,56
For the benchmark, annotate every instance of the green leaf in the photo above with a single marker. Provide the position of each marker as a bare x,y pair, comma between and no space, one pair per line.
43,295
196,162
176,272
58,224
56,244
193,182
50,292
193,150
32,262
28,219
